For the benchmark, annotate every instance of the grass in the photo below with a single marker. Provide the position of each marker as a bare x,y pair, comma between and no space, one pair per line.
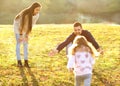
52,71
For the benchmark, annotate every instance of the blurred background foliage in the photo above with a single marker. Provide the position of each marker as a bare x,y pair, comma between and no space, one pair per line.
64,11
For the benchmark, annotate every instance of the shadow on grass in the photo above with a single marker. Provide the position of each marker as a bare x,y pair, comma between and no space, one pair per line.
34,80
25,80
105,81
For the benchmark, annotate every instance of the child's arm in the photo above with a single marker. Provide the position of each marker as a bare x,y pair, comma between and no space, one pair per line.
71,60
92,60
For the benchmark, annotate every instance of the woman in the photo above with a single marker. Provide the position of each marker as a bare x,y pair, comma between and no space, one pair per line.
23,23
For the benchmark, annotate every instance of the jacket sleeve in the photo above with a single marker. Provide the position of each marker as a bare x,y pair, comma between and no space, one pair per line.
91,39
71,61
69,39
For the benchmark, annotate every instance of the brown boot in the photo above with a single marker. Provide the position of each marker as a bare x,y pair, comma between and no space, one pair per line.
19,63
26,64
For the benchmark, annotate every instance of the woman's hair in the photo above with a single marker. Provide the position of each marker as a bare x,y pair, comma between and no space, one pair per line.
81,42
29,12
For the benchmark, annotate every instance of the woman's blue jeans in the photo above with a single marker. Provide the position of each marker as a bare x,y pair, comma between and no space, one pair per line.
25,45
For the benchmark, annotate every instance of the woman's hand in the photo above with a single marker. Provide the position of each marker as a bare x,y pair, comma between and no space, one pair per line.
25,39
20,39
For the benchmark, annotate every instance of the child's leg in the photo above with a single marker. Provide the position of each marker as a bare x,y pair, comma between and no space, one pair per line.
87,79
78,80
18,47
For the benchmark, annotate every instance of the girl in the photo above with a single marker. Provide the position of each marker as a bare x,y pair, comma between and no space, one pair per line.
81,61
23,23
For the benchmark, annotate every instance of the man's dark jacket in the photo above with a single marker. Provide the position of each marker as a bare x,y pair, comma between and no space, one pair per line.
71,37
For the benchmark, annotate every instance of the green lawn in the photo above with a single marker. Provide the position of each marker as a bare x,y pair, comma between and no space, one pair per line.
52,71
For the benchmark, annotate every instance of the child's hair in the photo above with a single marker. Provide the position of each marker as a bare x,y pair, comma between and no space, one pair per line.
81,42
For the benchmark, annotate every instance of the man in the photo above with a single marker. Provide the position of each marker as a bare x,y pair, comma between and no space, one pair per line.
78,30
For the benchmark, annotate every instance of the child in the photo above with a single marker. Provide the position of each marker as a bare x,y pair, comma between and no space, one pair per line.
81,60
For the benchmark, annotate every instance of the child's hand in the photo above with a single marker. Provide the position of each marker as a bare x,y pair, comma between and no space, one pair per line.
71,69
